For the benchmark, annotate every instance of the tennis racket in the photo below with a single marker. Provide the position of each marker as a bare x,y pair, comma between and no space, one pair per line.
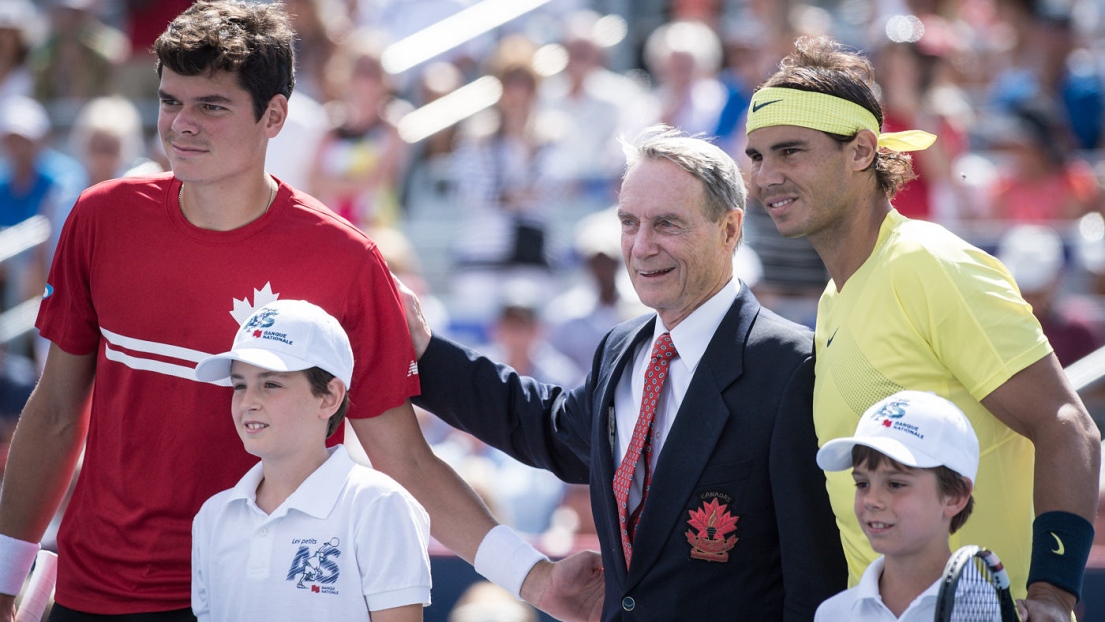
37,594
975,588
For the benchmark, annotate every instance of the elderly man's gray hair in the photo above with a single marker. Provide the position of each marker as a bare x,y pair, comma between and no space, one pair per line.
704,160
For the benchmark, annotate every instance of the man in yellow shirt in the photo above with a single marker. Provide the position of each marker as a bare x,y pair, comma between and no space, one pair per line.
912,306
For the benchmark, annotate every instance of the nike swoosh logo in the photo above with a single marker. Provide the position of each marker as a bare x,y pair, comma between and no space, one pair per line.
756,107
1062,549
830,341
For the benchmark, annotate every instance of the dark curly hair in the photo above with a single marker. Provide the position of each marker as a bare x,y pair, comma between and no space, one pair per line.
252,40
822,65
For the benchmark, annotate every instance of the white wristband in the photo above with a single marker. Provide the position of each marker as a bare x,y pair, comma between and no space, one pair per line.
18,555
505,559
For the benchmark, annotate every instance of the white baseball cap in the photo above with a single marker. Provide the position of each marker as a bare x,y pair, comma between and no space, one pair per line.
24,116
1033,254
286,335
914,428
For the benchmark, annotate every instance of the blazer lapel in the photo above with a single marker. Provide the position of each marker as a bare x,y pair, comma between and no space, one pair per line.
617,359
697,427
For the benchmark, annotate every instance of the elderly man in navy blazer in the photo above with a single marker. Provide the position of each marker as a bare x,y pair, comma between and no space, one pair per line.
694,427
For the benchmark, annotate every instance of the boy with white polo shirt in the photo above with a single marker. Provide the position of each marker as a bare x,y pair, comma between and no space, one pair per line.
307,531
914,457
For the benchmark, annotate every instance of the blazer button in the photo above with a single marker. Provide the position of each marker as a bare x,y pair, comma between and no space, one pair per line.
628,603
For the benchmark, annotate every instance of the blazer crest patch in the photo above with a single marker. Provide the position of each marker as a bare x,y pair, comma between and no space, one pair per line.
710,524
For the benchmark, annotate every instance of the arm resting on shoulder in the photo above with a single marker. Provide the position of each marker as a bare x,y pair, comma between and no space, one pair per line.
541,425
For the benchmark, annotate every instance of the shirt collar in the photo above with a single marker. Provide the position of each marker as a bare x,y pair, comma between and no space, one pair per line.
692,336
317,494
868,587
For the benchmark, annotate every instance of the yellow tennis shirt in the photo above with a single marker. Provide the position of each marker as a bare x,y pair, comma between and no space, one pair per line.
928,311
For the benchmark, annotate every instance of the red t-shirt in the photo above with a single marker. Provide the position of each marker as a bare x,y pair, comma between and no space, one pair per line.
152,295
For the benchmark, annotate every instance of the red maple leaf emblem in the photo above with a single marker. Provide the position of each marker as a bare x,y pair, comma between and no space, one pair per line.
316,589
713,517
712,522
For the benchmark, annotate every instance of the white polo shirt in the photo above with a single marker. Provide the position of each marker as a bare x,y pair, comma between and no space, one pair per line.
863,603
349,540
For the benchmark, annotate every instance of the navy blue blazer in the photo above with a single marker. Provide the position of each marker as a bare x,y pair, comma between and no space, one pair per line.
737,525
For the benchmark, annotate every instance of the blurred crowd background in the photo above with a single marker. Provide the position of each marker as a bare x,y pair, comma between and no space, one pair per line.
483,156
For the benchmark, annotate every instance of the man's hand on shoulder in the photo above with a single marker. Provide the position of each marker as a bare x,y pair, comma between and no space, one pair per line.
570,589
416,322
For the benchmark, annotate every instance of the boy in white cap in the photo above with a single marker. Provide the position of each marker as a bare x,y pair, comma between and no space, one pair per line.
306,531
914,457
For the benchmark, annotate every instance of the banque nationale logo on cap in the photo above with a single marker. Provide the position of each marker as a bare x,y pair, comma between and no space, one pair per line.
891,415
265,319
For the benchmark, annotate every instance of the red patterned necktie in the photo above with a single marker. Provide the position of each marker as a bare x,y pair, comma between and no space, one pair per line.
655,374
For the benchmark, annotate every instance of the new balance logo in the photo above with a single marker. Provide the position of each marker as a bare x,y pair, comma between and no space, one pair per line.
413,369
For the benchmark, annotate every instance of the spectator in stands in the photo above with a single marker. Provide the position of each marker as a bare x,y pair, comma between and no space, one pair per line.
18,22
34,180
321,28
594,106
1040,179
143,21
1051,62
1034,255
914,70
602,298
107,138
360,163
504,193
744,65
684,58
518,337
81,54
429,181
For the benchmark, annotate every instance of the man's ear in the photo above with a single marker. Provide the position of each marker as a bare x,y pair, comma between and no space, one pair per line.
864,148
734,222
276,113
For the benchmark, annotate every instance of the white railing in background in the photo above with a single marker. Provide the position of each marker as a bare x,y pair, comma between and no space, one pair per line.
14,240
453,31
1087,370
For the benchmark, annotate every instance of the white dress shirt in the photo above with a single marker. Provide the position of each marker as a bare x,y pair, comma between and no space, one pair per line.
690,338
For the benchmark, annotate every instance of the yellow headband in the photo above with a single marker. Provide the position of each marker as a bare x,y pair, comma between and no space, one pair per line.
827,113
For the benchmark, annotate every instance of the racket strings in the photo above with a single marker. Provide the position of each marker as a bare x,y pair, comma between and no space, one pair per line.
976,599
